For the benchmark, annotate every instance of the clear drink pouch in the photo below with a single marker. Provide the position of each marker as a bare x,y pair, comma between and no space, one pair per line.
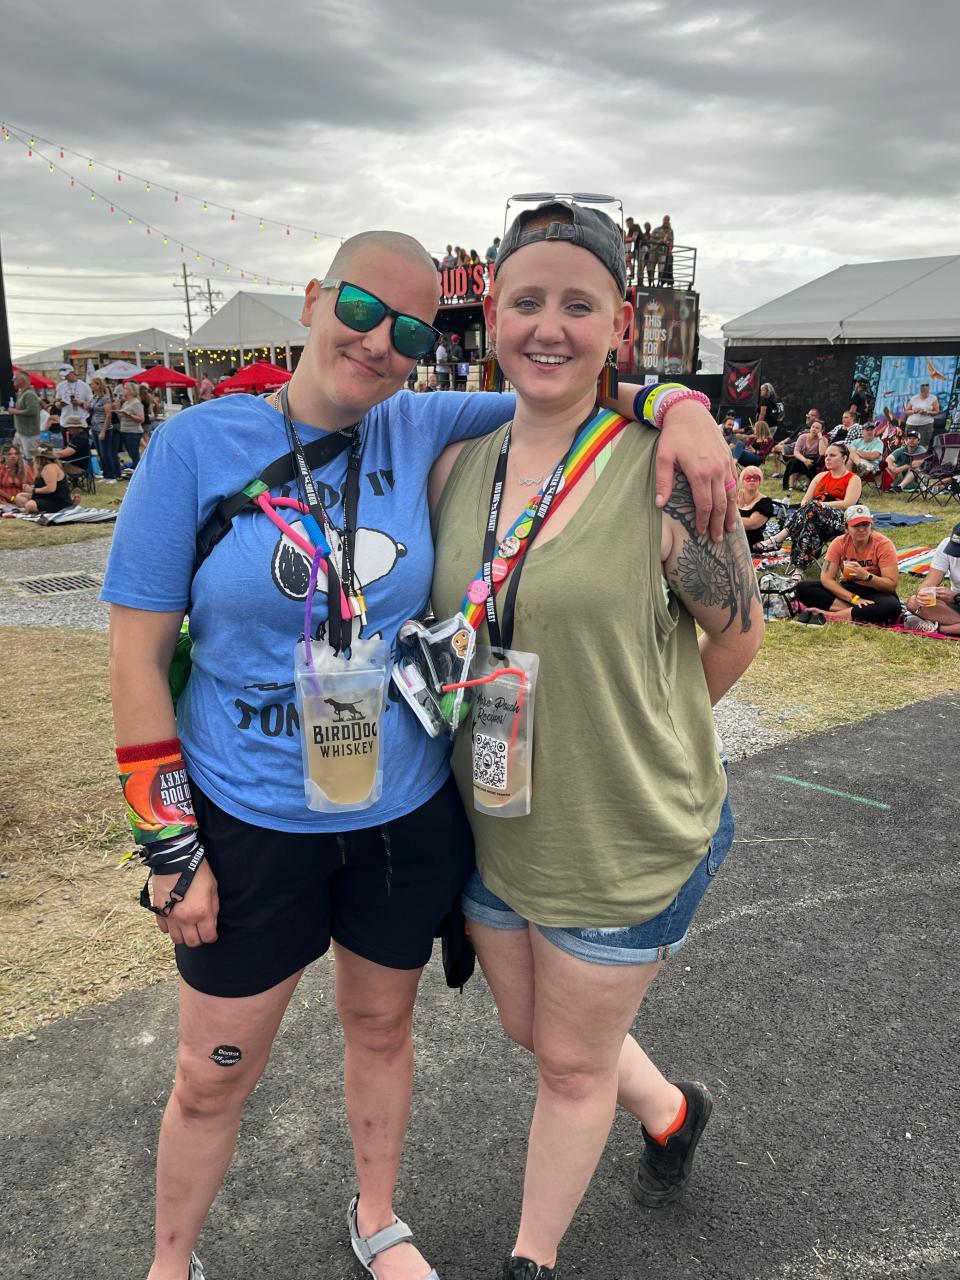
431,659
502,731
341,703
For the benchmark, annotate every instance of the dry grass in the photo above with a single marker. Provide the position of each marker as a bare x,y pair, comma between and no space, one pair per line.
71,933
20,535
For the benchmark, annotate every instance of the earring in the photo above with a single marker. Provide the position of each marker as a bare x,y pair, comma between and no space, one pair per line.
608,383
491,375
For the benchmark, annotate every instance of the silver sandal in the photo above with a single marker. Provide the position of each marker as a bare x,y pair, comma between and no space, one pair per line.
196,1271
369,1247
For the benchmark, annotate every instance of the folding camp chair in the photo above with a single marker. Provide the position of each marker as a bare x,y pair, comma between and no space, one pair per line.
938,476
81,475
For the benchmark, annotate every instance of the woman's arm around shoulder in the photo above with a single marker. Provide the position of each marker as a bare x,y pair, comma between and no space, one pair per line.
440,472
716,583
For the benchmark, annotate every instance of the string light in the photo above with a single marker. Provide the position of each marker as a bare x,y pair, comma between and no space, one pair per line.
198,253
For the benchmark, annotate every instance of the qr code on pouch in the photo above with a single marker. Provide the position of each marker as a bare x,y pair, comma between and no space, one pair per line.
489,762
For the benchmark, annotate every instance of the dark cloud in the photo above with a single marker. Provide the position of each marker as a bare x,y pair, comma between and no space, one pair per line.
782,139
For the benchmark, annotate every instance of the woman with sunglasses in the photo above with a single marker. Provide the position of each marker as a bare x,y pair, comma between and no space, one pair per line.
277,881
574,905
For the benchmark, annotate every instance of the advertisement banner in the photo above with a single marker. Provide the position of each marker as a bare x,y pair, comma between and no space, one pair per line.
741,384
664,331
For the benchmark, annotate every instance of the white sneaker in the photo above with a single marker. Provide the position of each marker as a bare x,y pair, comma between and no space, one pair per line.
196,1271
914,623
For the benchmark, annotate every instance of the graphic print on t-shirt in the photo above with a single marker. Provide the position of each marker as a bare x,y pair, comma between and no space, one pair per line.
375,555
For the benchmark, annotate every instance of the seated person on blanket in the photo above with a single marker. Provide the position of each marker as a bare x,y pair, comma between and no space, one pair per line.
76,447
15,473
867,454
859,578
50,490
820,514
936,607
901,462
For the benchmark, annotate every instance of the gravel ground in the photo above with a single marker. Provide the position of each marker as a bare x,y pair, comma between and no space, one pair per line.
740,725
79,609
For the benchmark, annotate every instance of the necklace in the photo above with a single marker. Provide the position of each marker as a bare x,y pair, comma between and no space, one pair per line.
531,480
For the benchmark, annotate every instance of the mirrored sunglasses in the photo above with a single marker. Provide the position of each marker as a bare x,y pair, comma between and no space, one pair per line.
362,311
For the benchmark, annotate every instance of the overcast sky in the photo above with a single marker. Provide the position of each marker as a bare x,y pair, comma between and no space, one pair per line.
783,139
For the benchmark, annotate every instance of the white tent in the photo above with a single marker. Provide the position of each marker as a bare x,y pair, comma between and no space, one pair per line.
252,320
139,343
118,369
908,299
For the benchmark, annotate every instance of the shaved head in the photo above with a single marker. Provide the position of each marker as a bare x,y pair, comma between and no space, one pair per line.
394,242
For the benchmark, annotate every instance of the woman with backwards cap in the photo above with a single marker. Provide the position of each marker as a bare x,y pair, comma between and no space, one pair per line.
576,903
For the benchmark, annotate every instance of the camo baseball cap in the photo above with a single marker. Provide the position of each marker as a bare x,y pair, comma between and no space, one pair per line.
589,229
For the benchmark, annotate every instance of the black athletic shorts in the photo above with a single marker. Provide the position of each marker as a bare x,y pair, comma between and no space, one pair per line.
380,891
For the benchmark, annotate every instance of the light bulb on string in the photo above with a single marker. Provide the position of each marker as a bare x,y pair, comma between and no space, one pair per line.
61,153
73,182
260,224
233,216
149,187
288,231
166,239
204,207
119,176
112,209
129,219
93,195
176,197
50,167
89,164
33,142
149,231
196,257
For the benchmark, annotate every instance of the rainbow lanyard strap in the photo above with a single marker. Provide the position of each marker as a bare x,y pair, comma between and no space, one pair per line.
592,438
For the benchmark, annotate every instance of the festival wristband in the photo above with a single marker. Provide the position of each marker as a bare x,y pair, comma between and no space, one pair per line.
179,890
673,395
643,401
153,778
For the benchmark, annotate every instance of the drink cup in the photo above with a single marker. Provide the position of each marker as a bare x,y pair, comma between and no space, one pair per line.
927,596
341,708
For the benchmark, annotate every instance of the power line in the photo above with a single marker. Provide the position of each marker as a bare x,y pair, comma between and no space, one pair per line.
87,297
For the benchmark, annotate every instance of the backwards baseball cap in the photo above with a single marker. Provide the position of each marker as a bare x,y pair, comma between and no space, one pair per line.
859,514
589,229
913,432
953,546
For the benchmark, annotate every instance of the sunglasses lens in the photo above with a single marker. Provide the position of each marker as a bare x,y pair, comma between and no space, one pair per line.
412,337
358,310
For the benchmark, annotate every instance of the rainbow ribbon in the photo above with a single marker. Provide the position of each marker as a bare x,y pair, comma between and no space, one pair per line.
591,442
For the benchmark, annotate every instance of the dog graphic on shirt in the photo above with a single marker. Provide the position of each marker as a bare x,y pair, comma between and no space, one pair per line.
375,554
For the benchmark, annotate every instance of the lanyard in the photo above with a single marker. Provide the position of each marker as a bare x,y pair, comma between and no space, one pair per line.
339,628
504,561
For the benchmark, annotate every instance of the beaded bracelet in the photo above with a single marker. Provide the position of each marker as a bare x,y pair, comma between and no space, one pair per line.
674,397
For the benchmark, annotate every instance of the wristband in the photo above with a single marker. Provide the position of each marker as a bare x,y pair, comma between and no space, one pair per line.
646,400
854,599
673,397
179,890
153,778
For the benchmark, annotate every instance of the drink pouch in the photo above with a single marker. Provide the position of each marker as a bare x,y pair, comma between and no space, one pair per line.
430,659
341,703
502,731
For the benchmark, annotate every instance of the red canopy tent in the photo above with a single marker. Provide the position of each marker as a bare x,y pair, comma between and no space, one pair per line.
37,380
260,376
159,375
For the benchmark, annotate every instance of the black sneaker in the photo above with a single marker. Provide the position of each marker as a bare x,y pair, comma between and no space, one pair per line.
524,1269
664,1170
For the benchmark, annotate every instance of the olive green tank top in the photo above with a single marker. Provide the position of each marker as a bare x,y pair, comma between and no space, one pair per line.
627,781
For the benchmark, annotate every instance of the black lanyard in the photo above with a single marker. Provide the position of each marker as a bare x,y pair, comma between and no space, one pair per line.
339,629
501,637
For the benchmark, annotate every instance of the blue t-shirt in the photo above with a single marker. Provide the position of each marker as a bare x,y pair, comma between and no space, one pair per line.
237,717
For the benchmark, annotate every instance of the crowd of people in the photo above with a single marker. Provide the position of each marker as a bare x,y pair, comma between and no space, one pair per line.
80,425
649,251
832,525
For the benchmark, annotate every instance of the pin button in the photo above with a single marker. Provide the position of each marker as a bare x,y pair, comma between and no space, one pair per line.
509,547
523,528
499,569
477,591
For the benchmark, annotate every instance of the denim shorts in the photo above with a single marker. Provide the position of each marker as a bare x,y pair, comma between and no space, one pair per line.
634,944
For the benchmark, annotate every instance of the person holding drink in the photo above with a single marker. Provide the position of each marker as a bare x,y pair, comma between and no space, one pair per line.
319,500
860,575
621,820
936,606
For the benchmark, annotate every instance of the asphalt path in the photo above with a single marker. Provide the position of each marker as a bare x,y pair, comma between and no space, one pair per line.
818,999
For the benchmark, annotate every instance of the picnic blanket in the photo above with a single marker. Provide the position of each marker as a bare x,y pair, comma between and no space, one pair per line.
896,519
69,515
915,560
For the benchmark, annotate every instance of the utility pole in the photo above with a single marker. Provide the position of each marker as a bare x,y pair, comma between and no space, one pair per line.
6,363
186,298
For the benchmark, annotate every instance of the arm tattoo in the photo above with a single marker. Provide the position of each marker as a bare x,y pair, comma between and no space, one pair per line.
718,575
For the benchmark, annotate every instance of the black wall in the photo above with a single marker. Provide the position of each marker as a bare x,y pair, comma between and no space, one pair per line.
822,376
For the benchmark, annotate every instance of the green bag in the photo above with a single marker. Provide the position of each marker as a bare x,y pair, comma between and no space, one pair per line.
180,664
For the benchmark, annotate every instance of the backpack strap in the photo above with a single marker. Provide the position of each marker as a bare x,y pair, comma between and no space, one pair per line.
317,453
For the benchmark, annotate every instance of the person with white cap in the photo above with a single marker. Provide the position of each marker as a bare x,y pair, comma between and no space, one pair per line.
859,578
72,394
936,607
